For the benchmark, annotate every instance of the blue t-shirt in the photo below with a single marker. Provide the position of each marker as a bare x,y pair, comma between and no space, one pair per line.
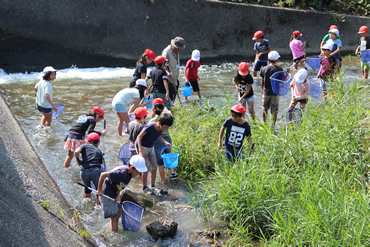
235,134
335,44
117,181
151,135
262,47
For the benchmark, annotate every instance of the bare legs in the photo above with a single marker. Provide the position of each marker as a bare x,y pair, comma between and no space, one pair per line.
67,161
122,117
46,119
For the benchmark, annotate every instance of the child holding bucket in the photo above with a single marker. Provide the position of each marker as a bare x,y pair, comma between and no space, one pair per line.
236,130
191,72
112,184
243,83
297,47
145,142
301,89
136,127
328,68
158,107
364,45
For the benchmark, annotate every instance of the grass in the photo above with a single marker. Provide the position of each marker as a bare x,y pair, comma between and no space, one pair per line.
46,204
306,187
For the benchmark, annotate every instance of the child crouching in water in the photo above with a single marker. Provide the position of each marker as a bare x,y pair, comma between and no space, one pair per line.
301,89
237,130
158,106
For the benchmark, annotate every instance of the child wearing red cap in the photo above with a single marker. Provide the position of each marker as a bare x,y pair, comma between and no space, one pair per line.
90,165
136,127
237,130
364,45
262,48
327,37
297,47
191,72
76,135
140,71
243,83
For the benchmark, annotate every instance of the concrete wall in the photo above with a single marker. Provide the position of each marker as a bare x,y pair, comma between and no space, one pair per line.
116,32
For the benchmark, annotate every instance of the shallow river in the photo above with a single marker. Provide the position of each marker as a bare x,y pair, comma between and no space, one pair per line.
82,89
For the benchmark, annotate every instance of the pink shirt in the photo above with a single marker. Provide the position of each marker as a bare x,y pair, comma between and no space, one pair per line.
301,90
295,45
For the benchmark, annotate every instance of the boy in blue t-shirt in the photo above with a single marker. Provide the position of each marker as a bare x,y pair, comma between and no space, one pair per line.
237,129
145,143
262,48
336,45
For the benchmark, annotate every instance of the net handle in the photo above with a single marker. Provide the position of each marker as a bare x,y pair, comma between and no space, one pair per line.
110,198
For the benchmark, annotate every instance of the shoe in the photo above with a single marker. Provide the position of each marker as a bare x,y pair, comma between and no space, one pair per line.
165,182
147,191
155,189
173,176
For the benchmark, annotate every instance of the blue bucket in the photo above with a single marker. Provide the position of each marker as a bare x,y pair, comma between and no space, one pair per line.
186,91
280,82
365,57
315,86
151,103
313,62
132,215
170,160
60,108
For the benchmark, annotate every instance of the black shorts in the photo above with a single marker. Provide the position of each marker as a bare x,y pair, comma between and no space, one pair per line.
195,85
172,90
297,59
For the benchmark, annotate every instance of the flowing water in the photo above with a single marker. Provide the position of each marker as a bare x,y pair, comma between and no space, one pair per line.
82,89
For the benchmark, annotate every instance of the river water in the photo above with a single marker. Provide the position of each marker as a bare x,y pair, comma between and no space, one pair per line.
82,89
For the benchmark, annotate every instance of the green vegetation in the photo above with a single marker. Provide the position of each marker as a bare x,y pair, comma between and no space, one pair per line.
304,188
83,233
46,204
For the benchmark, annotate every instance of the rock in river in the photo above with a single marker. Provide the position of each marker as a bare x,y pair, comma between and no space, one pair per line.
162,228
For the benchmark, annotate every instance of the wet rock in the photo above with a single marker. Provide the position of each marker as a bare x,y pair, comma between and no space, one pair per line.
138,198
162,228
209,233
181,206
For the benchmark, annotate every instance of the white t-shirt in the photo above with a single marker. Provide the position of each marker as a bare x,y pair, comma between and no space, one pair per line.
43,87
126,97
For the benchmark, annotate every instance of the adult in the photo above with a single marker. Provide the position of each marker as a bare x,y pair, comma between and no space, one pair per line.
171,53
141,64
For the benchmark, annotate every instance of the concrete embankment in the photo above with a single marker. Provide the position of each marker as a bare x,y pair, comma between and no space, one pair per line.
33,211
63,33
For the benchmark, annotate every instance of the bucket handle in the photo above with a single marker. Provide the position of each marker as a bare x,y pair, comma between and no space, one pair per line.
184,84
166,147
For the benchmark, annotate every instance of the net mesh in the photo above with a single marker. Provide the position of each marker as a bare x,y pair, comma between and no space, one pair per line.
124,153
132,216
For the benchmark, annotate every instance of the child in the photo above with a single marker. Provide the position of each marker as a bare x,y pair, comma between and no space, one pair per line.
112,184
364,45
90,165
297,48
327,68
145,143
136,127
191,72
158,106
237,129
327,37
336,46
140,71
44,95
243,83
160,83
301,89
76,135
262,48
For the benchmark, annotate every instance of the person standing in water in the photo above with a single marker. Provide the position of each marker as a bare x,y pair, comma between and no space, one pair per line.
141,66
44,95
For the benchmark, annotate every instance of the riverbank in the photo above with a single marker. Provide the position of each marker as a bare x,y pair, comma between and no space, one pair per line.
33,211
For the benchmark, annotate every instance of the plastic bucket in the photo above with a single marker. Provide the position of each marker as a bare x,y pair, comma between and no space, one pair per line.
60,108
151,103
280,82
132,215
170,160
313,62
186,91
315,86
365,57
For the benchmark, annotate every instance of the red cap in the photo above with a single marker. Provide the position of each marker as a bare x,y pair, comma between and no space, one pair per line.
158,101
160,59
297,33
238,108
93,137
149,53
257,35
141,112
243,68
363,29
333,27
98,110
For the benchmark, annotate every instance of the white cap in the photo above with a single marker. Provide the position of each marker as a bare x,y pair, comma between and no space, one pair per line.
301,76
141,82
195,56
336,31
273,55
326,47
48,69
138,162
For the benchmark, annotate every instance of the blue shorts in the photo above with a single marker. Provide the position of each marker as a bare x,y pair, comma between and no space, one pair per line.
259,64
158,147
250,99
117,107
231,156
88,175
44,110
